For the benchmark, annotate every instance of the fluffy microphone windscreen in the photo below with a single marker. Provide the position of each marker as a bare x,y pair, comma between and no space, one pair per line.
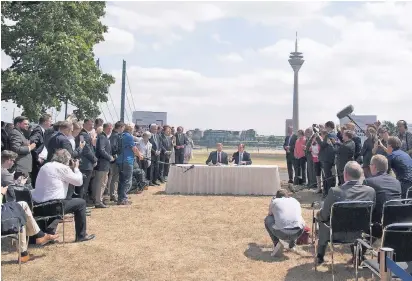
345,112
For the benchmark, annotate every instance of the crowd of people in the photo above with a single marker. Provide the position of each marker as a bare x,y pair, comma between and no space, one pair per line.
340,167
84,165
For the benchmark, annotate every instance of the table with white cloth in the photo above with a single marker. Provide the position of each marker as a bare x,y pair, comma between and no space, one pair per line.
237,180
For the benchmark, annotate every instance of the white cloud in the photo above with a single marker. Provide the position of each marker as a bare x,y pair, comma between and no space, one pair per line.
219,40
5,61
117,42
231,57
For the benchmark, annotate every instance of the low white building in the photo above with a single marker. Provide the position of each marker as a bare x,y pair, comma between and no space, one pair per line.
145,118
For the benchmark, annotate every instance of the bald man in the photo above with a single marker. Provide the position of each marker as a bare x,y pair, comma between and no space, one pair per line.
218,157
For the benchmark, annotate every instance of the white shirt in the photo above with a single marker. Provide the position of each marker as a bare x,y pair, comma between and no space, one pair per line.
145,148
43,153
53,181
287,213
72,141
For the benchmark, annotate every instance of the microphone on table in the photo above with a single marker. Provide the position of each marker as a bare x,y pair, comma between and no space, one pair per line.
346,112
191,167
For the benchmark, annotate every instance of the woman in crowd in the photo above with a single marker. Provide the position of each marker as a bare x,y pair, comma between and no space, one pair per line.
314,149
189,148
300,159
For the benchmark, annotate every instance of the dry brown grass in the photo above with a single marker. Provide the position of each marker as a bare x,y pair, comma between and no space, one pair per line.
175,237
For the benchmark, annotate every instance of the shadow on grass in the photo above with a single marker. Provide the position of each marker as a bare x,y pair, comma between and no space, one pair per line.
307,272
255,252
15,261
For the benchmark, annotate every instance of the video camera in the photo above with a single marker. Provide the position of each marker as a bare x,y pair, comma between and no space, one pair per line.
315,128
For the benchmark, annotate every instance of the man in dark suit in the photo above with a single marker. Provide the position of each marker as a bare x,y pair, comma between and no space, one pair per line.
4,137
345,152
181,142
327,160
351,190
386,186
289,147
167,147
241,157
113,180
22,146
60,141
357,140
218,157
88,160
39,154
155,140
104,158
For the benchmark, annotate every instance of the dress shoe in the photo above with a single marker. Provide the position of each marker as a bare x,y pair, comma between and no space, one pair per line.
156,183
86,238
113,198
290,181
151,184
25,258
101,206
125,203
319,260
162,181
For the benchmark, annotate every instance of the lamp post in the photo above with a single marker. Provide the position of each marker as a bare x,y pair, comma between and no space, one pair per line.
296,60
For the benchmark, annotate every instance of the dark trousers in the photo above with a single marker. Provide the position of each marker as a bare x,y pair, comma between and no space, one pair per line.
82,191
70,192
179,156
143,166
289,161
125,180
154,168
34,172
328,181
77,206
311,175
164,168
300,170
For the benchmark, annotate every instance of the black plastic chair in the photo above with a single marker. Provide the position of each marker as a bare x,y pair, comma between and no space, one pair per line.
349,220
409,192
15,235
53,209
397,236
396,211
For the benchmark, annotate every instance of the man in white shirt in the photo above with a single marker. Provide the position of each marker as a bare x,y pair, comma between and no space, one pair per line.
145,148
52,184
284,221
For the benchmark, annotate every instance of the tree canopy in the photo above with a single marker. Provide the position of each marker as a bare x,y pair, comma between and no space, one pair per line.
51,47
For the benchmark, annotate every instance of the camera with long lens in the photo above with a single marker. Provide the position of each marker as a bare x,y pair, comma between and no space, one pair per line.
315,128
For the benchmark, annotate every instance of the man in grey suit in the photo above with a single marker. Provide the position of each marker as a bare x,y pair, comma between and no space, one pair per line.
386,187
351,190
218,157
21,145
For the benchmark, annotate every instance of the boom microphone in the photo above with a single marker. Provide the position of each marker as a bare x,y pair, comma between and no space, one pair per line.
345,112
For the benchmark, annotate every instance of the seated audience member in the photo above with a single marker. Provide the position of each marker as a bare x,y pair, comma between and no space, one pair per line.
386,186
218,157
401,163
7,161
30,228
284,221
300,159
405,136
351,190
52,184
241,157
345,152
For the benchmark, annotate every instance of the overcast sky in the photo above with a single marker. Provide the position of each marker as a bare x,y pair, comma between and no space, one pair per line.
224,65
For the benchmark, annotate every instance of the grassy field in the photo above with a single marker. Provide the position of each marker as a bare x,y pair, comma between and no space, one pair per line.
177,237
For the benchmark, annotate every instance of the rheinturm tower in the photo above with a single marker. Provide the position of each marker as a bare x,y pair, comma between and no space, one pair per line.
296,60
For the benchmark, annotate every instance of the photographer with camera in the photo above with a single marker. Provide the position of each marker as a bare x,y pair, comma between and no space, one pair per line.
52,184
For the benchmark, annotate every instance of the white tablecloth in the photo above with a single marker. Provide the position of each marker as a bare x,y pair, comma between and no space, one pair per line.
242,180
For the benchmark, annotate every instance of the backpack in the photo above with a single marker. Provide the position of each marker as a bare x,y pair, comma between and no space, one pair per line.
304,237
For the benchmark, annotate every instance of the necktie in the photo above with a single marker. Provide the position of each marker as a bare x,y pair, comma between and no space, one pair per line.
219,159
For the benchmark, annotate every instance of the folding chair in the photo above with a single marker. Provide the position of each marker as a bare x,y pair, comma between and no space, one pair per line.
397,236
409,192
52,209
348,221
15,235
396,211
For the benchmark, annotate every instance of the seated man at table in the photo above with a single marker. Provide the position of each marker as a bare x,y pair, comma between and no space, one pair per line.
351,190
52,184
284,221
241,157
217,157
